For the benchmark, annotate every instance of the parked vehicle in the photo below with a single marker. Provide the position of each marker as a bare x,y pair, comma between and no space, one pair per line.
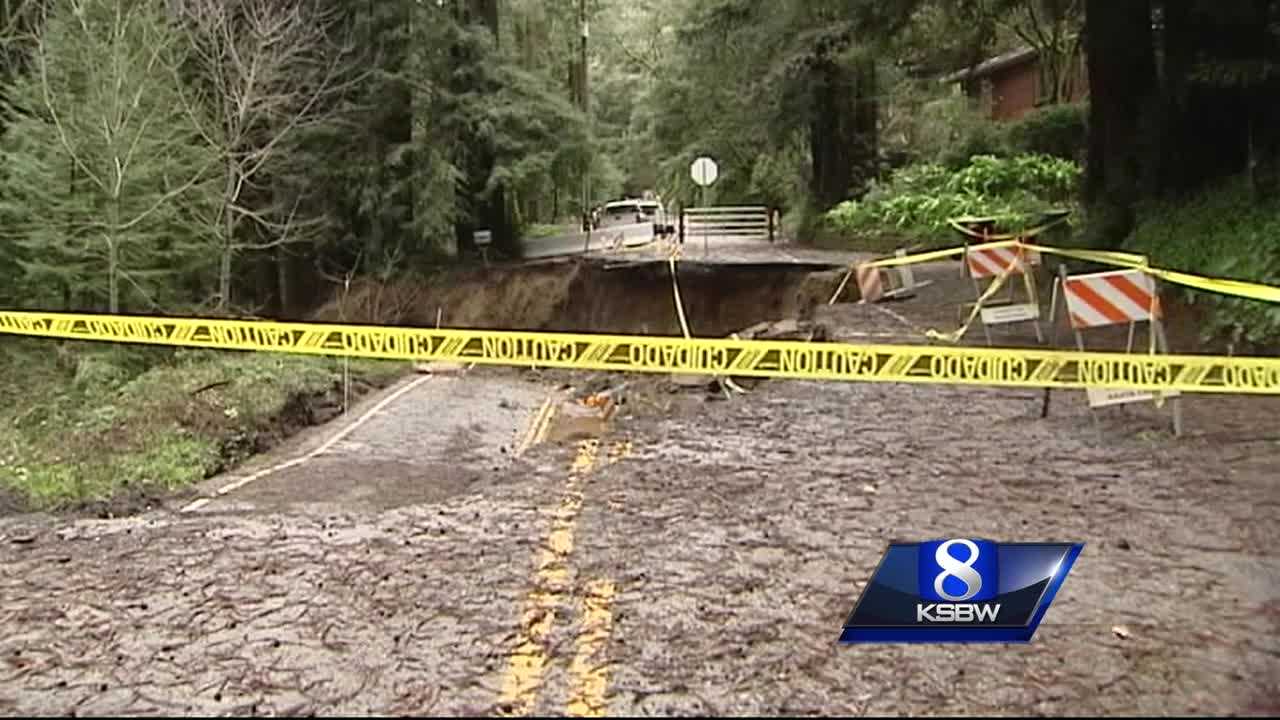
635,212
656,214
621,212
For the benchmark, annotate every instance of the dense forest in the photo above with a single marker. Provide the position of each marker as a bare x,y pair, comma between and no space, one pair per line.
240,156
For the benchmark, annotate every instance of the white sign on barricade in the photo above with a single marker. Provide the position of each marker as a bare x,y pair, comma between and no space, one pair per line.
983,263
1116,297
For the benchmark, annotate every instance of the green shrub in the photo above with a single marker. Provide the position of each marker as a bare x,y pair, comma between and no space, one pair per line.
1224,232
540,230
986,138
947,131
918,200
1057,130
106,418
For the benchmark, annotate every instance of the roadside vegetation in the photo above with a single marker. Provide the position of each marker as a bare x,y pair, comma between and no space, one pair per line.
913,207
96,425
1222,232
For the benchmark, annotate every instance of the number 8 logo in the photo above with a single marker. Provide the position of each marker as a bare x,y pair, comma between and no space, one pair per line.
962,571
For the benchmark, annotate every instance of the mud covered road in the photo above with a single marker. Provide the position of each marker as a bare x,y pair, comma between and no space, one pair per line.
697,556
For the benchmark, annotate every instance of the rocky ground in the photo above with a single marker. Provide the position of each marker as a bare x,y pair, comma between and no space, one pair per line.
696,555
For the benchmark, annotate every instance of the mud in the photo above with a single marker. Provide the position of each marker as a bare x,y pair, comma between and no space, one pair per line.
392,573
302,410
585,296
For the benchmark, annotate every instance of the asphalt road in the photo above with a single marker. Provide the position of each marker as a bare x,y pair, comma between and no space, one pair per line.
573,243
699,555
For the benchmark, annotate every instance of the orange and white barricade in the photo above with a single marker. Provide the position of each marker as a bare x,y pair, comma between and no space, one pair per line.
1116,297
1000,265
885,283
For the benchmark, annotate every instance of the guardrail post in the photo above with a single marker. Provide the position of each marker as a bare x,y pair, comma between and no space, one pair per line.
770,211
681,224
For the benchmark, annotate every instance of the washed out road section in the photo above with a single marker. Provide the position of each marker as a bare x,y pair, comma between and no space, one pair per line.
445,435
733,538
379,577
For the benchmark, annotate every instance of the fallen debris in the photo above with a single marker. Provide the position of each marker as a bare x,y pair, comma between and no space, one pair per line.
789,329
684,380
439,368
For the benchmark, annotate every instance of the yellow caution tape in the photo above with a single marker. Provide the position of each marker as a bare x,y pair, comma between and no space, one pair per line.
955,223
749,358
1222,286
931,255
955,335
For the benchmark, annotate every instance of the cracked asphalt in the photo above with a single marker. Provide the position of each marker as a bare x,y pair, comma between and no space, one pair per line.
422,562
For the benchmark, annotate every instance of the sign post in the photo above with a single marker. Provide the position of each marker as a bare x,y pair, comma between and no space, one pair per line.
482,239
704,172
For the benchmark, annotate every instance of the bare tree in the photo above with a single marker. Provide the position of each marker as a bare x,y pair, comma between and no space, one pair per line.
266,68
107,89
1052,28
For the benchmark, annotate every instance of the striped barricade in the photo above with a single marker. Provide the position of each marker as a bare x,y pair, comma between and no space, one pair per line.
1117,297
883,283
995,266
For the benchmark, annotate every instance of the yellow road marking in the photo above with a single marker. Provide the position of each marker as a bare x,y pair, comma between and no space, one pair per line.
538,429
541,435
619,451
529,661
590,669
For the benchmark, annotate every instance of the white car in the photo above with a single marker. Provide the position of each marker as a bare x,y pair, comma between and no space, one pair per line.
622,212
636,212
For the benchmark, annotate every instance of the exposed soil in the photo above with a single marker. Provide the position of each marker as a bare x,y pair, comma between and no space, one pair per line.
585,296
300,411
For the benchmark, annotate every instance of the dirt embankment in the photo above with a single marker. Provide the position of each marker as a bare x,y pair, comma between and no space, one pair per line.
587,297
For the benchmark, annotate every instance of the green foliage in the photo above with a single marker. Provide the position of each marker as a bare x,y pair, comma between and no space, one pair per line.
948,130
1057,130
98,420
985,138
917,201
1223,232
101,165
749,83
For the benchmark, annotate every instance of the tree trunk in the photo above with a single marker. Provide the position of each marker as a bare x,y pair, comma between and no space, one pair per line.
263,276
113,251
228,236
479,211
113,275
1264,128
1207,116
1122,86
843,140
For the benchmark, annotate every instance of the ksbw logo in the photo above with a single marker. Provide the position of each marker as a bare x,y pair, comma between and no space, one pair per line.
960,590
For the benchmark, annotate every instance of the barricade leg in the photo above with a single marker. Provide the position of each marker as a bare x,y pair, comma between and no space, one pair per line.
1053,329
977,297
1033,297
1093,412
1162,343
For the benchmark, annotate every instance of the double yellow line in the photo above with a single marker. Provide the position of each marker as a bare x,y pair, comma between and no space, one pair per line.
529,661
537,431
